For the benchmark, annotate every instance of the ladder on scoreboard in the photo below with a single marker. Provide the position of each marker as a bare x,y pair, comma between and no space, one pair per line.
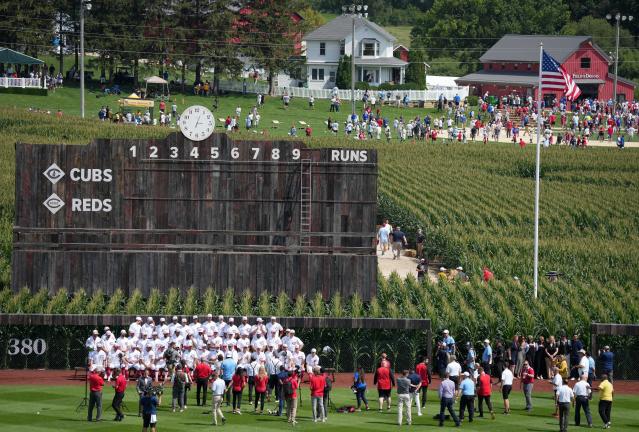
305,202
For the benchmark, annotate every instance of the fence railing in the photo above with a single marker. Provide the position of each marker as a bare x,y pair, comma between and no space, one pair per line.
345,95
20,82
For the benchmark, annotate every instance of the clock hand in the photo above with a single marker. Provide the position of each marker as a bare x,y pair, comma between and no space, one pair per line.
198,121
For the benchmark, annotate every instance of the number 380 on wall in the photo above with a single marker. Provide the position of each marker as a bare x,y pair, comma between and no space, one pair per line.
26,346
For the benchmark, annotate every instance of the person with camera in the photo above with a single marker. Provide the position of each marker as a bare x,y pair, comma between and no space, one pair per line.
96,382
149,404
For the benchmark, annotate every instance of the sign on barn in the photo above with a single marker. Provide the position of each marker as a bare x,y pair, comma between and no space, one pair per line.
254,216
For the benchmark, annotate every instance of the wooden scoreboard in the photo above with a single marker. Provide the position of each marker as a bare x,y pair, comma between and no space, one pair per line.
252,216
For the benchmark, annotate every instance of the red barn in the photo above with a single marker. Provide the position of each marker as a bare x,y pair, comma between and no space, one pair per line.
512,65
401,52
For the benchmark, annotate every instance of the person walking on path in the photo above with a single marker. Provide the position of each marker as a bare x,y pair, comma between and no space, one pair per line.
565,397
96,382
218,388
447,396
606,392
120,387
527,380
467,390
582,398
404,386
507,378
484,390
383,236
420,238
399,240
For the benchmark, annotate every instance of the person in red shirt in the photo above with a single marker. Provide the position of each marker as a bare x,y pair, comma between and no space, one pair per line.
385,381
527,380
317,383
261,383
488,275
96,382
237,383
484,391
201,375
291,400
422,370
120,387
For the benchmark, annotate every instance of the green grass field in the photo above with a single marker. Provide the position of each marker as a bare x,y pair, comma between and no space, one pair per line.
35,408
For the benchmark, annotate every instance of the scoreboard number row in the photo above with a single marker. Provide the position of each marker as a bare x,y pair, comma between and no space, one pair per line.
174,153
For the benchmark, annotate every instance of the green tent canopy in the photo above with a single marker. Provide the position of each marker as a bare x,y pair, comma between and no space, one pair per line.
9,56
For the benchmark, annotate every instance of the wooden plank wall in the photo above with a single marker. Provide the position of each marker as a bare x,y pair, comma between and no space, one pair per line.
196,222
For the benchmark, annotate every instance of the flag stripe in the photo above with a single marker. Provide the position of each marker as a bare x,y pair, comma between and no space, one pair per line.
555,77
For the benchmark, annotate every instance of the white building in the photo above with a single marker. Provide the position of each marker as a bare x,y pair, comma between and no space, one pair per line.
374,61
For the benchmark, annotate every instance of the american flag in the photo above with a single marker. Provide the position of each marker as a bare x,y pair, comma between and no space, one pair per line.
555,77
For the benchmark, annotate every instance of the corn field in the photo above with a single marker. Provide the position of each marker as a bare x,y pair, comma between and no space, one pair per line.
475,204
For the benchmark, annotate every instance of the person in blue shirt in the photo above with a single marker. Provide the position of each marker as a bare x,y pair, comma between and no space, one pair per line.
487,357
470,358
467,390
359,388
149,406
282,376
228,369
591,368
449,342
606,359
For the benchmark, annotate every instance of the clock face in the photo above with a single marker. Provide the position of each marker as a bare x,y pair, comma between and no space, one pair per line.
197,123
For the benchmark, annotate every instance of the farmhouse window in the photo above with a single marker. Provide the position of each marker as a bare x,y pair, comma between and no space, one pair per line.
585,62
322,48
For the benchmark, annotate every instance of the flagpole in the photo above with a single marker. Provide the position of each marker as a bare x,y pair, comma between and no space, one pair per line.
538,157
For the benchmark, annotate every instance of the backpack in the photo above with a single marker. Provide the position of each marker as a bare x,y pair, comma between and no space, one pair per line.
288,389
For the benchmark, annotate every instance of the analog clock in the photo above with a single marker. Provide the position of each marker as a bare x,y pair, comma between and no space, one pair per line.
197,123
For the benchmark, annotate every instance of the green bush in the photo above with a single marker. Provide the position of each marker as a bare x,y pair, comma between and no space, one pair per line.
473,100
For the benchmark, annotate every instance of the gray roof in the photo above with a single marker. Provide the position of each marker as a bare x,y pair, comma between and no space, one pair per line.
525,48
342,26
380,61
487,77
622,80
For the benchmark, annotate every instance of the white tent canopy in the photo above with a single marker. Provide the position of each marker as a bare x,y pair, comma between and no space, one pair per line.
441,82
156,80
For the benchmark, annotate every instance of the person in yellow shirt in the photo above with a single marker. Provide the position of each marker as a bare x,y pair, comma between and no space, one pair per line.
605,400
563,366
442,273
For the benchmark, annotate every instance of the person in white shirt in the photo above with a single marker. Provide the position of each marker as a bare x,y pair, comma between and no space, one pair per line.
148,359
557,381
218,388
583,366
245,326
295,341
507,378
231,328
273,326
565,397
136,326
582,392
189,356
186,329
174,324
162,328
243,341
454,370
100,358
221,325
195,325
123,341
108,337
287,337
132,341
259,341
133,359
92,344
259,326
312,360
148,327
298,357
160,361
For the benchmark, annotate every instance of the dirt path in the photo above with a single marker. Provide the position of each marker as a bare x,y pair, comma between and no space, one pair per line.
403,266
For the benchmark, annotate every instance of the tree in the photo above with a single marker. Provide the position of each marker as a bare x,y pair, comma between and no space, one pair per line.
27,25
464,29
416,71
270,35
343,74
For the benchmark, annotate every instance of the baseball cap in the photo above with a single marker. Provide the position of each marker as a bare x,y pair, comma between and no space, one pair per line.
466,374
209,315
273,318
486,341
123,332
442,269
184,320
313,350
260,320
162,319
106,329
138,318
460,268
446,331
244,318
195,317
149,318
231,319
95,332
174,318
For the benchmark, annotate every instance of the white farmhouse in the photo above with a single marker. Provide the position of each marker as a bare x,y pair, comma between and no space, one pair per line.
374,61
